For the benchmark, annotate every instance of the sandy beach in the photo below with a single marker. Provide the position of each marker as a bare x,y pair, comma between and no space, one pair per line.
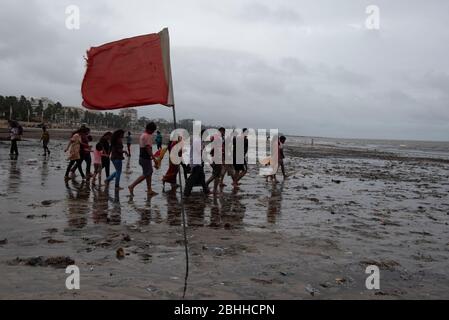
309,237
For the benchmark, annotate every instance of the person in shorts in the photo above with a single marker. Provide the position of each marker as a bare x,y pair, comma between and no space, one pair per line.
146,160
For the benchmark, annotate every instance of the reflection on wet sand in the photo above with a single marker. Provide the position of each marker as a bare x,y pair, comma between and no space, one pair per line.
14,177
174,212
144,213
77,204
275,203
195,207
100,205
44,172
115,217
232,210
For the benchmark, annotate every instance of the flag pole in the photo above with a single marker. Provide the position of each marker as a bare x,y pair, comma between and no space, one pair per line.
184,222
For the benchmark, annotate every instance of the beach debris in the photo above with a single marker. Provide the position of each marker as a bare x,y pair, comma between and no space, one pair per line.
336,181
311,290
47,203
423,233
326,285
219,251
54,262
126,238
33,216
340,280
3,242
266,281
314,200
54,241
120,254
386,222
383,265
31,161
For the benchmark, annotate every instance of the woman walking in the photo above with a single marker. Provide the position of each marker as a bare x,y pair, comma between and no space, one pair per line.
117,158
105,141
73,155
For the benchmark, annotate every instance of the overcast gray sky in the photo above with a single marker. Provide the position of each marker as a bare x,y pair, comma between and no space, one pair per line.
305,67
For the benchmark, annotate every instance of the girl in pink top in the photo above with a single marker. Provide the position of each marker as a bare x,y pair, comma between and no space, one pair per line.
98,154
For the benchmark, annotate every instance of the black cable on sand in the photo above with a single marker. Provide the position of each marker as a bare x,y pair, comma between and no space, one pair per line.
184,222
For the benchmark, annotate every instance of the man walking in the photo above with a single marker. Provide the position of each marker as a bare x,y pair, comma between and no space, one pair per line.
146,160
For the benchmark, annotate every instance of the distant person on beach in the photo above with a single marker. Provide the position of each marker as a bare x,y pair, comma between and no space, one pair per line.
45,139
98,155
282,141
241,169
281,156
146,160
14,134
105,142
73,155
117,158
129,142
159,140
227,168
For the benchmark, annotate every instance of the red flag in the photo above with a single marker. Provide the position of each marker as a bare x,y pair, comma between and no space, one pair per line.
129,73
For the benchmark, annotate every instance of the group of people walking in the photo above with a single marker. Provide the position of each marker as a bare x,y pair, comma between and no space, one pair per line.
111,149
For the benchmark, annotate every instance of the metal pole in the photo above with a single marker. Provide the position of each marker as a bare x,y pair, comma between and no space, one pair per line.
184,222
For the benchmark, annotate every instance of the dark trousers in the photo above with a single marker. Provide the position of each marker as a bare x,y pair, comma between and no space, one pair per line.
14,148
75,164
106,165
197,178
45,146
88,159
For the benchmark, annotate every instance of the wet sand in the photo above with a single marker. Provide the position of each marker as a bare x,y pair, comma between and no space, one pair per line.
310,237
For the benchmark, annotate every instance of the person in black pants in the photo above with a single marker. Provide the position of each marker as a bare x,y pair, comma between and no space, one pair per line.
197,178
15,136
105,141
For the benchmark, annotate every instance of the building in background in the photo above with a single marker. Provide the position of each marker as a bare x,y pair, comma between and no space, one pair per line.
46,102
131,114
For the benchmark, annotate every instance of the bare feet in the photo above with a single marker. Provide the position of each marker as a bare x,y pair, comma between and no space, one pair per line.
151,193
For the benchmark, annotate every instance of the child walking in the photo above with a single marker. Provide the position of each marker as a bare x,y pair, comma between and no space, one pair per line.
98,167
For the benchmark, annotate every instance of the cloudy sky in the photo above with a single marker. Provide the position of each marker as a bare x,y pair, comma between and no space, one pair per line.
305,67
